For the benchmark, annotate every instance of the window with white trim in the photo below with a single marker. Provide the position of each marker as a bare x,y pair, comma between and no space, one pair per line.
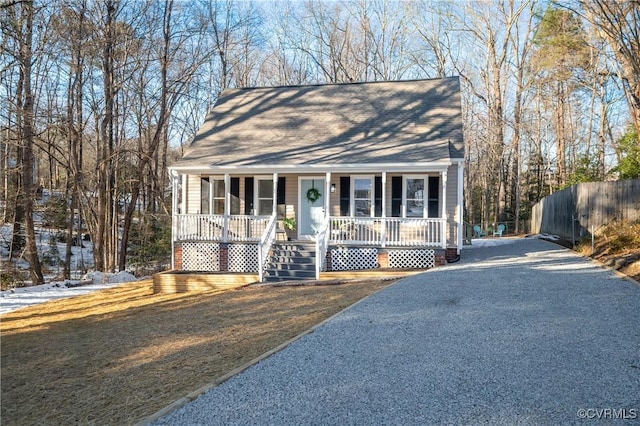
414,196
362,196
264,197
212,195
421,196
217,196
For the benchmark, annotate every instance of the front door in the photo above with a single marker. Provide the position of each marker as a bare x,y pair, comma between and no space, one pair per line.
311,207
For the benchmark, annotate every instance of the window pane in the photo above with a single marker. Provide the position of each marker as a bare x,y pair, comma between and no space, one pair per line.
362,196
363,207
415,197
414,208
265,207
265,189
218,188
415,189
362,188
218,206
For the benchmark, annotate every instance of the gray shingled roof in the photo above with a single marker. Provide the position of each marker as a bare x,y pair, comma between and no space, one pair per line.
404,122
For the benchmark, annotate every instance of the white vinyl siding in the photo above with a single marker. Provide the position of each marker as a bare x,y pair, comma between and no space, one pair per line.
193,194
452,204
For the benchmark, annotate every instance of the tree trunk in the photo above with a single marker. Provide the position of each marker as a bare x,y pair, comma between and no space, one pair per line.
25,150
105,213
559,124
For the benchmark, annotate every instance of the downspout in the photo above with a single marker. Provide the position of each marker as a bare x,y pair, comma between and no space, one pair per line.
444,209
460,204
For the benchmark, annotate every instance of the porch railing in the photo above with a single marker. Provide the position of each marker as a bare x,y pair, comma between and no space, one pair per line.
390,231
202,227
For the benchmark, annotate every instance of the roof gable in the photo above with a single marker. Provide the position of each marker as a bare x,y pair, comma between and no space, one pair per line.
357,123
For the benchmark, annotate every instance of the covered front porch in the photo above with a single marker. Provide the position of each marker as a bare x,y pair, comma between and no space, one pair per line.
354,221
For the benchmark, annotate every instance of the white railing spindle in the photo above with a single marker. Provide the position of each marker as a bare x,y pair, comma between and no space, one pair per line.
392,231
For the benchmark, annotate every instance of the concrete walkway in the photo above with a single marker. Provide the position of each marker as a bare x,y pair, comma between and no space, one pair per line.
521,333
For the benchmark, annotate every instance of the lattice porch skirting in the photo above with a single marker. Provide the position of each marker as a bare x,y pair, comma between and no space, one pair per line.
243,257
359,258
353,258
198,256
412,258
218,257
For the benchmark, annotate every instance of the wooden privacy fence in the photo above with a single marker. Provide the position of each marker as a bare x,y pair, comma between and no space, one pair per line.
573,212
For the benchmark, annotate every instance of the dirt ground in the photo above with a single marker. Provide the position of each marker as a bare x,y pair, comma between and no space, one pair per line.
120,355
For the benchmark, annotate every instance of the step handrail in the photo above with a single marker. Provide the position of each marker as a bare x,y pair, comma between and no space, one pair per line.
322,243
264,246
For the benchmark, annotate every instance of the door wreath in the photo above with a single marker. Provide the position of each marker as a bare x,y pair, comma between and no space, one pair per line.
313,194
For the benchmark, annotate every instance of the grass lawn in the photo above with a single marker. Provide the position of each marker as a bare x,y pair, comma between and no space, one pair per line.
119,355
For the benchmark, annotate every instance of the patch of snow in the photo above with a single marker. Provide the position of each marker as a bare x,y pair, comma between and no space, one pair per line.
51,247
543,236
490,242
20,297
105,278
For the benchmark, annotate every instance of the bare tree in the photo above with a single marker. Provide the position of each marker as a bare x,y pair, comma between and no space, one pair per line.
433,23
380,40
489,83
75,34
521,47
323,32
21,28
177,66
618,23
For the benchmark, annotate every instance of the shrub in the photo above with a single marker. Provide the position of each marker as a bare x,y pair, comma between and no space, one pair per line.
150,242
11,277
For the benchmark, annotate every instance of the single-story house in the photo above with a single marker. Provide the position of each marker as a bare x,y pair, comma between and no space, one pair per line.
370,172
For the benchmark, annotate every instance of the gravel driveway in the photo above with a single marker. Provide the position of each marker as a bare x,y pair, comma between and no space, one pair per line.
521,333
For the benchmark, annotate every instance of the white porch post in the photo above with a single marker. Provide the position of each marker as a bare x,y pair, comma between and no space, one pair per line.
327,192
175,179
444,209
383,224
227,206
275,194
185,205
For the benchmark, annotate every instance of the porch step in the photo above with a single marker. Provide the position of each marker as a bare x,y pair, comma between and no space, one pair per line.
291,261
